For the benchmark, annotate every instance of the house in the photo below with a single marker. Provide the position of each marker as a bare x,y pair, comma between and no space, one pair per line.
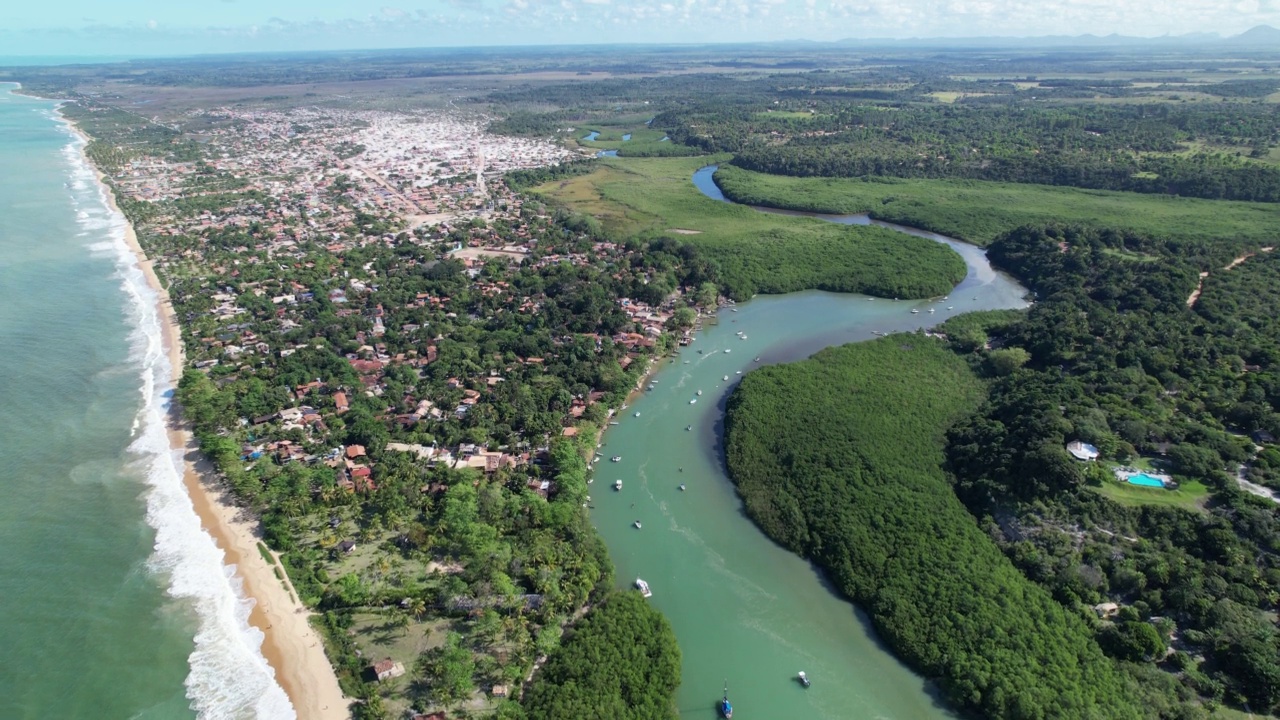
1107,609
1262,437
499,691
340,402
386,669
432,716
355,451
1082,451
347,546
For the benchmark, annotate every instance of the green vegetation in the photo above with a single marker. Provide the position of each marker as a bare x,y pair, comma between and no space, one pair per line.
979,211
756,252
1087,145
861,491
1116,358
620,661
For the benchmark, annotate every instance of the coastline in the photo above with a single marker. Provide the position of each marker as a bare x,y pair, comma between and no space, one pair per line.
293,649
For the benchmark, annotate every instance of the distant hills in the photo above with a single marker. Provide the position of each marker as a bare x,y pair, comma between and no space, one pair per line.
1262,37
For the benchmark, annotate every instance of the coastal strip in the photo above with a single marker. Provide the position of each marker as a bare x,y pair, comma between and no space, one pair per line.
290,646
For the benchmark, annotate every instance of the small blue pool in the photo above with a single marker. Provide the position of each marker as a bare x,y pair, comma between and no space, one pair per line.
1145,480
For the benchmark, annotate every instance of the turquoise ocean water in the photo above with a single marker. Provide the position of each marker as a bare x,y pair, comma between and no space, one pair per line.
113,602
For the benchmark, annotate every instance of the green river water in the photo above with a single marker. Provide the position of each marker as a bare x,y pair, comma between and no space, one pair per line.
745,610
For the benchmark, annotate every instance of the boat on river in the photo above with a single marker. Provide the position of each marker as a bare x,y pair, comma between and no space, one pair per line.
804,679
693,401
616,458
915,311
687,428
699,393
637,414
617,484
727,350
726,377
637,524
726,710
643,587
682,488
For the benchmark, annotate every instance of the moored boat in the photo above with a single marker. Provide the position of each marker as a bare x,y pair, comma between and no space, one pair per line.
726,710
617,484
643,587
804,679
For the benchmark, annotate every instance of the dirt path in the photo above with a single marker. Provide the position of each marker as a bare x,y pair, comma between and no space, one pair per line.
1195,294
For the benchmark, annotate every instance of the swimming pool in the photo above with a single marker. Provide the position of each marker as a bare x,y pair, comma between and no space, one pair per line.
1145,480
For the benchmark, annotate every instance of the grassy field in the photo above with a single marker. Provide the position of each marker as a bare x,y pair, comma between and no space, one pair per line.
755,252
978,211
1190,495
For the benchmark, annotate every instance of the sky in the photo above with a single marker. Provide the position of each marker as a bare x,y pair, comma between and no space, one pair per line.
136,28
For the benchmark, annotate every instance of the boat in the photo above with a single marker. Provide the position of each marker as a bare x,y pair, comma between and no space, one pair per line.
613,422
914,311
738,372
726,710
726,377
617,484
693,401
616,458
757,360
682,487
687,428
637,524
951,307
699,392
643,587
804,679
932,310
744,337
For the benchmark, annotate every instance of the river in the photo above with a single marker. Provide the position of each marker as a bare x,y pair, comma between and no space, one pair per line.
745,610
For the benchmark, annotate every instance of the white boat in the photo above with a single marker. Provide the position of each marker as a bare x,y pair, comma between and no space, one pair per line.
643,587
804,679
617,484
932,310
688,428
915,311
744,337
699,392
682,488
693,401
726,377
616,458
637,414
637,524
951,307
727,350
738,373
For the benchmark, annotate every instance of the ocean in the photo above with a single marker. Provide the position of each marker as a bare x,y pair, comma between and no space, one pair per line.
114,603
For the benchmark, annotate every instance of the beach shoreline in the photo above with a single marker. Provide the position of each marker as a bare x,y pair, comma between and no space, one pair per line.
293,649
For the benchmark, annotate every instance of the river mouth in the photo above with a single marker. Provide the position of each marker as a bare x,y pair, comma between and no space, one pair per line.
744,609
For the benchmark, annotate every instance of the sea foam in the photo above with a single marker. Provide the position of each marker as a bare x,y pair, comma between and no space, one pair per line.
229,678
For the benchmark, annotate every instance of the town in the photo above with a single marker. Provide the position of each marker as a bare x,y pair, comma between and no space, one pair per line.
383,339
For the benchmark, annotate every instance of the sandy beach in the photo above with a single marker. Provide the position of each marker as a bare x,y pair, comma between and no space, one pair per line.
291,646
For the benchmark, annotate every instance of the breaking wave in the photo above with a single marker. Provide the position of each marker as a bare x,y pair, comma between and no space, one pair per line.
229,678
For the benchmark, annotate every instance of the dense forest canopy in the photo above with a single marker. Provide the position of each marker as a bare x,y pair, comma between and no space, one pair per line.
621,661
861,491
